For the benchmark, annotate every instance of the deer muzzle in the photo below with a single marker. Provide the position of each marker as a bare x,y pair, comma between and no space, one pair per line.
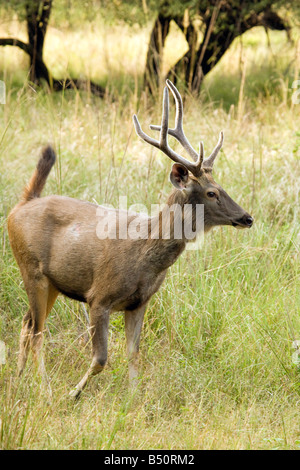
244,222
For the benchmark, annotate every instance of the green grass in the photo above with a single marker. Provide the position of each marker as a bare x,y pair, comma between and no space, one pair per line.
216,349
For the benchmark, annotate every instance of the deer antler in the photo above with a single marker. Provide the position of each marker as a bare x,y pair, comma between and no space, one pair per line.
162,144
209,161
179,134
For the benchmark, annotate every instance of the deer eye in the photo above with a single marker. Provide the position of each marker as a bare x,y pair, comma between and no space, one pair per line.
211,194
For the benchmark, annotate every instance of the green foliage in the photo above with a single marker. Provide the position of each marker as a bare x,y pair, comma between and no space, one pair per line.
71,12
12,7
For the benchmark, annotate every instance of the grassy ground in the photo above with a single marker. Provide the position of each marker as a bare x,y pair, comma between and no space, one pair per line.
217,358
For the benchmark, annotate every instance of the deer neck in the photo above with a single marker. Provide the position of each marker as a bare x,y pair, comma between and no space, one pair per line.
167,240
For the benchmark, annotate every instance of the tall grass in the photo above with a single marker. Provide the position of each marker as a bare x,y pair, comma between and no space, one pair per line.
217,369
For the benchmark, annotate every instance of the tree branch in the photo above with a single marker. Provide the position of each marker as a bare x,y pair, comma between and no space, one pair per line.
16,42
220,33
56,85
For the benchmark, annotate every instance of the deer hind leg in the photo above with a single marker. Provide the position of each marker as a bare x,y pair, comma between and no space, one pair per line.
99,331
41,296
133,327
24,341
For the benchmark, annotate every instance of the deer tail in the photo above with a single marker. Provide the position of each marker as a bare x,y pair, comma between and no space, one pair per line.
39,177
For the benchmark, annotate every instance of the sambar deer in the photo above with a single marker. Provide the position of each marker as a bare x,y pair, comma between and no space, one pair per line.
55,243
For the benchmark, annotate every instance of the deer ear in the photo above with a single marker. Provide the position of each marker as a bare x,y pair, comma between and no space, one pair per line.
179,176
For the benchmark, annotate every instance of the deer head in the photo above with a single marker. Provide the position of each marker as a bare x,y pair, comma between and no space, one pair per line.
195,178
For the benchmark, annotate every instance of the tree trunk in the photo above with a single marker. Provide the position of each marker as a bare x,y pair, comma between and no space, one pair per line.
209,55
37,17
155,50
184,67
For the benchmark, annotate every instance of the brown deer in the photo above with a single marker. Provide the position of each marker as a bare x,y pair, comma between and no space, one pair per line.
56,243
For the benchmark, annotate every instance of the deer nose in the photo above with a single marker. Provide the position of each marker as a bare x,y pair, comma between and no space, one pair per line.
248,220
245,221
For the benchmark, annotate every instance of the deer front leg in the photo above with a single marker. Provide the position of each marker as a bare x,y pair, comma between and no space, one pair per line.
99,332
133,327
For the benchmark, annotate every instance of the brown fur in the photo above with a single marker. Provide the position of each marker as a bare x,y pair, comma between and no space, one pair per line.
39,177
55,242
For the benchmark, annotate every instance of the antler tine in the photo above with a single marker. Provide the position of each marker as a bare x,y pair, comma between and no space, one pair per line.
209,161
142,134
162,144
163,138
178,132
201,155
